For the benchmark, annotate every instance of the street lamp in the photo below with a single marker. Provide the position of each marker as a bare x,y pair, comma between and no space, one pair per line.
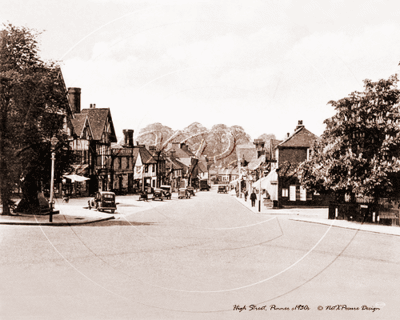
53,142
259,189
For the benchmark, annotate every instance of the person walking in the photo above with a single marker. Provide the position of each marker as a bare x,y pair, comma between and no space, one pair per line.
245,195
253,198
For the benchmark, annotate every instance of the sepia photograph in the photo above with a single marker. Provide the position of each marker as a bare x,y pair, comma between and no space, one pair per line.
198,159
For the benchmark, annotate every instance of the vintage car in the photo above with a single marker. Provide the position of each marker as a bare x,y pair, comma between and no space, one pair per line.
222,189
204,185
183,193
158,194
191,191
167,191
104,201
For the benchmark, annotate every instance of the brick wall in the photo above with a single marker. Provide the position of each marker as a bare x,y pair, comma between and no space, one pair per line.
293,155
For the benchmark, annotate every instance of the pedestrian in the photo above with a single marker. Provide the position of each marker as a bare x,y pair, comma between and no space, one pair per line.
245,195
89,205
253,198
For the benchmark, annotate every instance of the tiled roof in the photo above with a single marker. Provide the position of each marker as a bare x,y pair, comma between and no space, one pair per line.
78,123
179,153
97,119
185,161
301,138
145,155
255,163
202,166
176,165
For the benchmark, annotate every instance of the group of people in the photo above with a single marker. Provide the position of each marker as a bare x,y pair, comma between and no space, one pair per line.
253,197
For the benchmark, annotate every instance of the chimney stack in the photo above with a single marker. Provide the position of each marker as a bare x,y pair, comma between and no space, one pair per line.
299,125
74,99
92,105
259,143
128,138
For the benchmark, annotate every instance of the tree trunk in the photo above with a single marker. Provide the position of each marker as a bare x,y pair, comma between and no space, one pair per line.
5,195
29,202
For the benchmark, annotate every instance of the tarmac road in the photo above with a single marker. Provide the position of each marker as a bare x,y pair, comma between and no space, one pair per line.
207,257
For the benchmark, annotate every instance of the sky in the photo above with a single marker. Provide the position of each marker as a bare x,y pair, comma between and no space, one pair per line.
262,65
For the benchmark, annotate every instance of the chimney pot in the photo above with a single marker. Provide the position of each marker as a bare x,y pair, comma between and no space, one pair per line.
299,125
92,105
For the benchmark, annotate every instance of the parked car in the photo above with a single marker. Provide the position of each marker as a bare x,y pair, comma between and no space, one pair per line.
167,191
191,191
183,193
104,201
204,185
158,194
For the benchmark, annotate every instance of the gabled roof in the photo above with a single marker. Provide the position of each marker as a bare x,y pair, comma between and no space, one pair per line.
176,165
145,155
179,152
300,138
97,119
78,123
185,161
256,162
202,166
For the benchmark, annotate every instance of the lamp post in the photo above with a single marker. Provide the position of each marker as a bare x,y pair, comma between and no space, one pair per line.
259,192
53,141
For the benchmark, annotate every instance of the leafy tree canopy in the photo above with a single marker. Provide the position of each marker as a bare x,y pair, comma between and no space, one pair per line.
358,153
33,104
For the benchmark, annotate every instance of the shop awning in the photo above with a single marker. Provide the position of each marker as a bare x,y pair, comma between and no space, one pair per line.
261,182
75,177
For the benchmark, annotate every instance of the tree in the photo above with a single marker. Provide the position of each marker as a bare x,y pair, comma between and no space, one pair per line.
33,105
155,134
358,153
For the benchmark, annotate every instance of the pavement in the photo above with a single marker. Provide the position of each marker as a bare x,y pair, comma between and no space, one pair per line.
76,212
318,215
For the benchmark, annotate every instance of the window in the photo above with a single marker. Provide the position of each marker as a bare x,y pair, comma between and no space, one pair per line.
146,168
303,194
292,193
285,192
